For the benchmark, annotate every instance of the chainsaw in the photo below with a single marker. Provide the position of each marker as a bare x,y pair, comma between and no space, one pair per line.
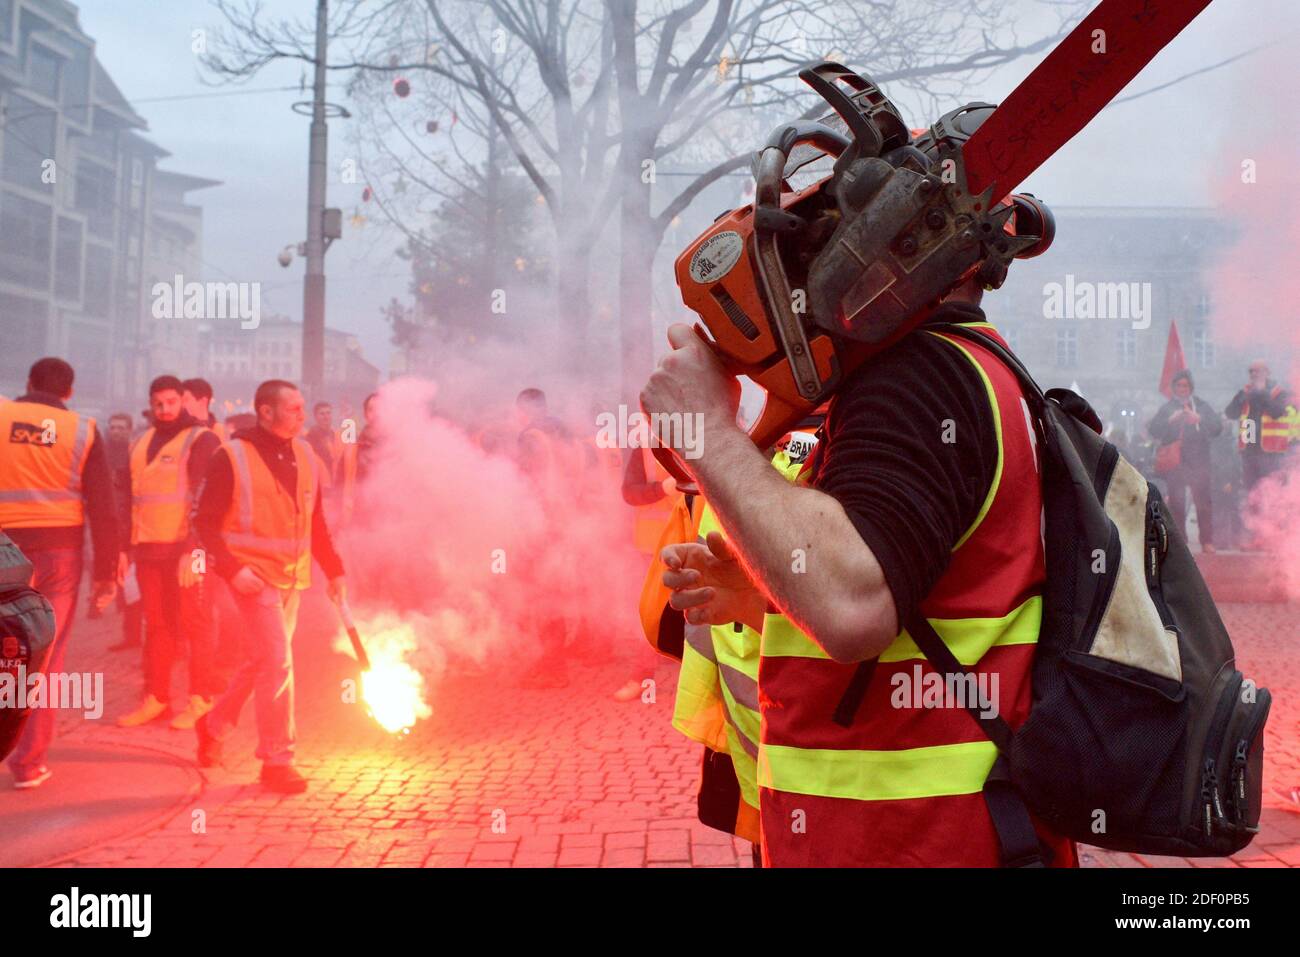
800,287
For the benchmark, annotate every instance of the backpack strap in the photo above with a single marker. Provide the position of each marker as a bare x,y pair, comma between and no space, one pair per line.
1016,834
1033,392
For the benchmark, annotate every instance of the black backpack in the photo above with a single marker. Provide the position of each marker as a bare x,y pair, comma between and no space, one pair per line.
1142,735
26,635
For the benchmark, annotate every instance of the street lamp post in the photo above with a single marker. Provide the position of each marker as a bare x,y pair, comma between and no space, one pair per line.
323,225
313,282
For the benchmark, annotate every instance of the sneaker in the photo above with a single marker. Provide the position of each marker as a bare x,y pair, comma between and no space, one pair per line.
32,779
283,778
209,747
150,709
197,708
629,692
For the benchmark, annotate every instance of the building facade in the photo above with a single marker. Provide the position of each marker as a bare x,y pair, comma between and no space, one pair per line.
80,200
236,360
1096,310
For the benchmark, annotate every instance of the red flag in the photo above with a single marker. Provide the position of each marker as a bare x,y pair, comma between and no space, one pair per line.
1174,361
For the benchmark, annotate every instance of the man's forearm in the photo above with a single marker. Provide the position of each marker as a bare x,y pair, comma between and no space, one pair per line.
837,593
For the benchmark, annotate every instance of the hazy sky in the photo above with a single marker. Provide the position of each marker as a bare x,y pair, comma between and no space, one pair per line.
1164,149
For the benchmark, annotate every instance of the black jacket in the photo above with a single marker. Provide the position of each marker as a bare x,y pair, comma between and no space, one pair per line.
1196,438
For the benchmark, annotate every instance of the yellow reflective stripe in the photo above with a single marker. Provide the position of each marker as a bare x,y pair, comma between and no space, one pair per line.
781,639
745,763
744,720
937,771
969,638
739,649
997,430
697,710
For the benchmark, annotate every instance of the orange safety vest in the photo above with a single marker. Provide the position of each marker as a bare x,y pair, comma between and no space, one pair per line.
160,492
902,785
43,451
267,529
1274,434
348,480
650,519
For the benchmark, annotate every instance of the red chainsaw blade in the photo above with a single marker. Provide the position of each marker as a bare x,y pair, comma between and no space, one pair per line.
1070,87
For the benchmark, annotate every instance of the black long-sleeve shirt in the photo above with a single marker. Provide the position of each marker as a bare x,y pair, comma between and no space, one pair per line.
218,487
99,503
909,494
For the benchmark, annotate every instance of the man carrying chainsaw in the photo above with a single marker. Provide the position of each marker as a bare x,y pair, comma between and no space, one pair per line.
898,584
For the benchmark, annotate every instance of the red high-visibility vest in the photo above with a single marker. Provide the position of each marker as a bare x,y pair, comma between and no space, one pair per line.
902,786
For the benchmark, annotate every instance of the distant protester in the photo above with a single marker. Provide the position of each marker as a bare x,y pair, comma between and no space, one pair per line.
1184,427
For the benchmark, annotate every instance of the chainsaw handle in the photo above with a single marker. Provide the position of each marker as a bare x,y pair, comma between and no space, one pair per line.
780,414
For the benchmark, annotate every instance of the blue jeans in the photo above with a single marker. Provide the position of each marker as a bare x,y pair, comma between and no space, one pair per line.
266,673
57,576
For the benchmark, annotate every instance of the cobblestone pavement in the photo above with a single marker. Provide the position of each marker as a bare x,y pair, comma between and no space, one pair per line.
506,777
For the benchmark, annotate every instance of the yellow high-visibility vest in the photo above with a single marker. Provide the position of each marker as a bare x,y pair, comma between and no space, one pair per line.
717,687
43,451
160,489
267,529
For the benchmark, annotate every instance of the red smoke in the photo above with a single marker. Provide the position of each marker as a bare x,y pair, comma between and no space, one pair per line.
473,553
1255,284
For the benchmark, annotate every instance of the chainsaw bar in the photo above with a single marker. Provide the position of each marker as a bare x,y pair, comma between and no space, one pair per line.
1099,57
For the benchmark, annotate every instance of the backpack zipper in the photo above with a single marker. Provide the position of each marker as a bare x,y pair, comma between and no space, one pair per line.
1239,782
1157,547
1211,804
1241,755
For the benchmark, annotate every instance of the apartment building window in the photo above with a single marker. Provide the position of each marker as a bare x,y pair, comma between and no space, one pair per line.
76,84
29,135
1126,348
99,279
88,351
23,324
1067,347
67,259
1203,348
1203,305
95,188
6,20
44,68
25,226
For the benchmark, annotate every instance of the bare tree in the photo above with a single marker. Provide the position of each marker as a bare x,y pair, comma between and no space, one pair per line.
592,97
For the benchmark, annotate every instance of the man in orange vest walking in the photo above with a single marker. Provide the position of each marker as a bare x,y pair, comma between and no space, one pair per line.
167,466
54,479
260,522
